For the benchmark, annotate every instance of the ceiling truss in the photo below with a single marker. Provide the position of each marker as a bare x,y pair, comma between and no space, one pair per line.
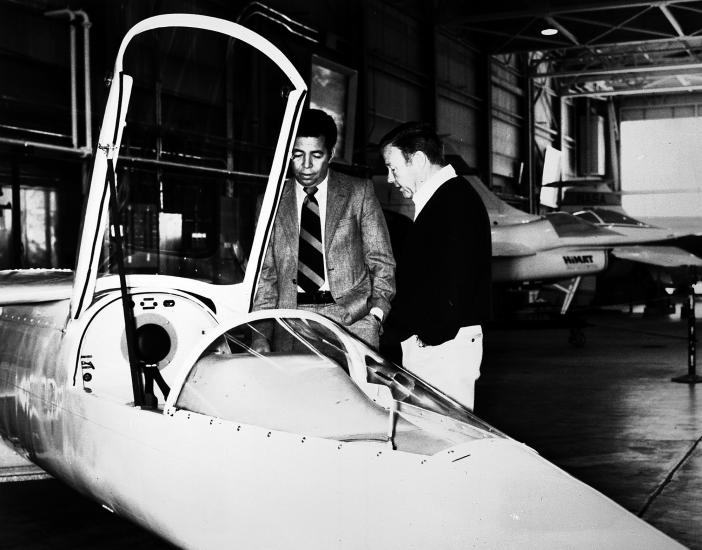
601,48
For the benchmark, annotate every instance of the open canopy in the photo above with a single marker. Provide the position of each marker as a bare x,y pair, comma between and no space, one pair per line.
200,209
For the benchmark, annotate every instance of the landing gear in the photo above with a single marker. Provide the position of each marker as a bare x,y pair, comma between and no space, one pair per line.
576,336
528,308
569,292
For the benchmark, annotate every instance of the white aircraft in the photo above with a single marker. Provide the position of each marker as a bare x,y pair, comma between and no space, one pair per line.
672,249
319,444
560,245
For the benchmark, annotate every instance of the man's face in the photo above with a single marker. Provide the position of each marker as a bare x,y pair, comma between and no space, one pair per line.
310,160
401,172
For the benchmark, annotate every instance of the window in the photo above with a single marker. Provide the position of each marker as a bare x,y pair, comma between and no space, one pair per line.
333,90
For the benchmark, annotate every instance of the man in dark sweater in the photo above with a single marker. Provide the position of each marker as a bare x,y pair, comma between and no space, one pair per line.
443,268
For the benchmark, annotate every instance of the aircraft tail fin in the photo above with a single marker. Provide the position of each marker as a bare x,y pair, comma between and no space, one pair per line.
499,211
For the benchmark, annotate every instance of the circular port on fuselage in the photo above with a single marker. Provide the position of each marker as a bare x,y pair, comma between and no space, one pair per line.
153,343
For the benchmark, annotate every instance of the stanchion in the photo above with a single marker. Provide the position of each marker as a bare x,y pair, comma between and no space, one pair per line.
691,377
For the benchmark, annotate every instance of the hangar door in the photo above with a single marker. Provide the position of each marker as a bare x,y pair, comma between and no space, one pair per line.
661,160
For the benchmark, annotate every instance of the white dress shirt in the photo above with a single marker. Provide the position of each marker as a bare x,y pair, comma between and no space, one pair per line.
426,191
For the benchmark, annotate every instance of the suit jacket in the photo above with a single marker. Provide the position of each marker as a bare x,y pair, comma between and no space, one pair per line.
443,269
360,264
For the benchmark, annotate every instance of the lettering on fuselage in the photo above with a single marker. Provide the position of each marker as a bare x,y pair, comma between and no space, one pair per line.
584,259
86,364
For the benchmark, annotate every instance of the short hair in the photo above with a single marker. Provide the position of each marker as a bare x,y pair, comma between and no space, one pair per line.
317,123
411,137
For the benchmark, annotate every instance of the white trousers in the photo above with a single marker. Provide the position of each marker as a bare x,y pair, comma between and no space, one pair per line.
453,367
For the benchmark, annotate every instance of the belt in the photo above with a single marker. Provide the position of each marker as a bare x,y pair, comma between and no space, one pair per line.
316,297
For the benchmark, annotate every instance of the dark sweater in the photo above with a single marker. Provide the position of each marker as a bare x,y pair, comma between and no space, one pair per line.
443,268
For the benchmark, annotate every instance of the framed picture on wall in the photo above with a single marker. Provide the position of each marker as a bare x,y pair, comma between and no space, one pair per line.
333,90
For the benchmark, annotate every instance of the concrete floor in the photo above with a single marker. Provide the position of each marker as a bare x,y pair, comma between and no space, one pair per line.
607,413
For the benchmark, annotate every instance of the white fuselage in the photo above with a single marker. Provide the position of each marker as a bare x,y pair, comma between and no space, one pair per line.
426,473
203,482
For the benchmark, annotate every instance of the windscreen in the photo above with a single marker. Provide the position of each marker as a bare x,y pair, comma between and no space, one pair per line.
202,126
588,216
568,225
407,388
295,347
612,216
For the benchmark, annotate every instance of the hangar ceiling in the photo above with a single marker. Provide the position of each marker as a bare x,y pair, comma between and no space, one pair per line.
601,48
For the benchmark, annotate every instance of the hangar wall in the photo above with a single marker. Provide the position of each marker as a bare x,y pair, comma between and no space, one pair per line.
402,69
661,167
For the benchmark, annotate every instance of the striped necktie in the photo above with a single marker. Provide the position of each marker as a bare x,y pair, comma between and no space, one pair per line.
310,265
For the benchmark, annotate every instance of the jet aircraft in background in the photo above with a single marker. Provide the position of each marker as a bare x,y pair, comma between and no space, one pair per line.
133,380
664,253
559,248
561,245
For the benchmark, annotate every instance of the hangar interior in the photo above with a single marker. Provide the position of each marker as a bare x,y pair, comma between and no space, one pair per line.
577,109
557,105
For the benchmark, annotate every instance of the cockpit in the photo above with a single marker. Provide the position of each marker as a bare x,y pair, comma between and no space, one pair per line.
604,216
167,270
319,383
313,378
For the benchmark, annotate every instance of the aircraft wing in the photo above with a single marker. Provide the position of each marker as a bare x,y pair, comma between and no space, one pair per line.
662,256
681,227
506,249
35,285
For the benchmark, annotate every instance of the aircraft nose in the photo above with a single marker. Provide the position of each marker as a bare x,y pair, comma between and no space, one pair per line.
546,507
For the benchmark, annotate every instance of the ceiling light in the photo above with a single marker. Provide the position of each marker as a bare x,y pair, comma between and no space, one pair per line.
549,31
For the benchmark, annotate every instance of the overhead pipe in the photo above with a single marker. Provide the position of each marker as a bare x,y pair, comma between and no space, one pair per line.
42,145
306,32
139,160
619,70
74,99
195,167
87,148
638,91
86,80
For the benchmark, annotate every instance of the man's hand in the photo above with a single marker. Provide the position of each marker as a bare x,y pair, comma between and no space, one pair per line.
378,315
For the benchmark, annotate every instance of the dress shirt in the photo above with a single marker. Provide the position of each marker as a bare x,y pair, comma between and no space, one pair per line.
426,191
321,196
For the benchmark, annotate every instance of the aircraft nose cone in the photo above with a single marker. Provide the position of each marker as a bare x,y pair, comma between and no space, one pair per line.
534,504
